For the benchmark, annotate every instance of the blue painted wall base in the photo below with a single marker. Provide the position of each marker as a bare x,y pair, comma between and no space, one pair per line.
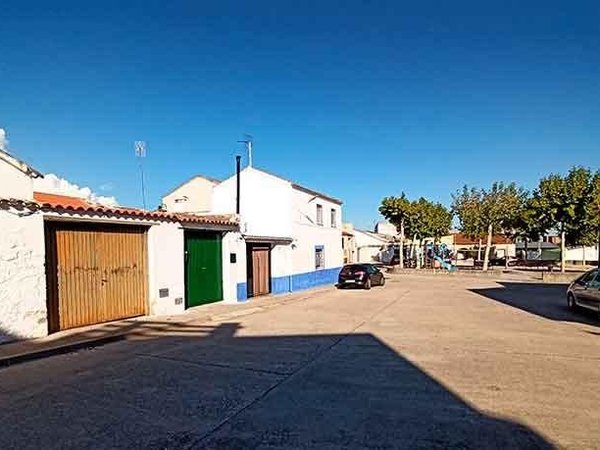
296,282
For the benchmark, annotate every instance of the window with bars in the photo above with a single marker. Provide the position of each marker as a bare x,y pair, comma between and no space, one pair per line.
319,257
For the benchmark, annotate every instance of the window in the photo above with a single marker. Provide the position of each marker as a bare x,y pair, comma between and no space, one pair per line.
320,215
319,257
588,277
333,218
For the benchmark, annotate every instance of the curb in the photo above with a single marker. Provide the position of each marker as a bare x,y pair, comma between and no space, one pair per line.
60,350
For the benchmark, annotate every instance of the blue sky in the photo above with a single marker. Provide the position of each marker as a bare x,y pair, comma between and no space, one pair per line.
354,98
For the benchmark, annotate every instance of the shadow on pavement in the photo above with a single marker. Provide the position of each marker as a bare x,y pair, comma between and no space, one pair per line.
542,299
201,387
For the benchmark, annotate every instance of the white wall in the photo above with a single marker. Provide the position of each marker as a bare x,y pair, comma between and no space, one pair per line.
265,203
199,196
14,183
23,311
281,260
578,253
386,228
166,268
368,247
307,234
233,273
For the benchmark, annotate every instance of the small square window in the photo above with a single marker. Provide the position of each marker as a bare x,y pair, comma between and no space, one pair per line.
319,257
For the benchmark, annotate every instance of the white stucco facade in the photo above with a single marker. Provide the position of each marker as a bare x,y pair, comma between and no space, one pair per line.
166,269
14,183
265,203
369,246
234,273
22,276
284,214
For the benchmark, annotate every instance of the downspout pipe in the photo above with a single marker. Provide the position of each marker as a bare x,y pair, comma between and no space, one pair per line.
238,159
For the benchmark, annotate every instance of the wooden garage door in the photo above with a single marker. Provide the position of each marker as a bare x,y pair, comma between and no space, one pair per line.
96,273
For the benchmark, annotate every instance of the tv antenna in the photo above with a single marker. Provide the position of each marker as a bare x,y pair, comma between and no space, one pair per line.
140,154
248,142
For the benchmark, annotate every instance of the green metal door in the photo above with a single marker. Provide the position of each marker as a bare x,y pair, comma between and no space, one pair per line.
203,268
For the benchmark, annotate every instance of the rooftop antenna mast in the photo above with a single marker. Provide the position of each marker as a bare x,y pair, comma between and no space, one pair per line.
140,154
248,142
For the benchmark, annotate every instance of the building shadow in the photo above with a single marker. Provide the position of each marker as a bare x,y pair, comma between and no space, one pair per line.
542,299
215,387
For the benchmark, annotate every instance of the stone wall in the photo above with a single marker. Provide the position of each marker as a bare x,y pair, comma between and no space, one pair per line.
22,276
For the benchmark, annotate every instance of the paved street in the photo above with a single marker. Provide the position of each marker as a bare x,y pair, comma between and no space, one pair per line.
425,362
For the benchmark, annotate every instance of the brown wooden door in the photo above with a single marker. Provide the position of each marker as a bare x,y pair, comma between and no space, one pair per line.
261,269
96,273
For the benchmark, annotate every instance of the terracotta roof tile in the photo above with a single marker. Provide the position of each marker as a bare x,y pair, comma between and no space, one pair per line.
462,239
63,200
62,203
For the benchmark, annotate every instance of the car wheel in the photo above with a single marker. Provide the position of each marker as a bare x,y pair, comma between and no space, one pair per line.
382,281
368,283
571,301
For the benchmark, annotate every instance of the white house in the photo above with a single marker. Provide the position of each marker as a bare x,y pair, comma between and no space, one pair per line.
370,246
66,262
290,236
194,196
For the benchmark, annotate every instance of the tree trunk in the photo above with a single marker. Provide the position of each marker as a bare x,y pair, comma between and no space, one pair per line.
413,246
488,246
401,255
418,255
598,256
526,248
583,256
562,250
479,251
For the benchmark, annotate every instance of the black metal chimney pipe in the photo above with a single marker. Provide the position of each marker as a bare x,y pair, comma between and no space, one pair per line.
237,174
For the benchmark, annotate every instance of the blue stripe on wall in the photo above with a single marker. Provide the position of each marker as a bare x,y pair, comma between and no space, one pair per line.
316,278
307,280
280,285
242,292
299,282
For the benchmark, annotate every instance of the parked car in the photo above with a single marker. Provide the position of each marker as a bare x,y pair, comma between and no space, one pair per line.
585,291
360,275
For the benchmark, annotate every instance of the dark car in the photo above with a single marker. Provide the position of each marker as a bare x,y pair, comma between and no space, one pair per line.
360,275
585,291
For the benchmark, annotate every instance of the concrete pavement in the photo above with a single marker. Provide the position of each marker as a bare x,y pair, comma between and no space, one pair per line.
421,363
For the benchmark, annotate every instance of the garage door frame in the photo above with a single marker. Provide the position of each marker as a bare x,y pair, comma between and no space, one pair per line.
109,272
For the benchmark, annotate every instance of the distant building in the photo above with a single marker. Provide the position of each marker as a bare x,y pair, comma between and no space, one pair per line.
385,228
194,196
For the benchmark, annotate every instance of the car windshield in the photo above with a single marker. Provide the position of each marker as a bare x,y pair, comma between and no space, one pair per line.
588,277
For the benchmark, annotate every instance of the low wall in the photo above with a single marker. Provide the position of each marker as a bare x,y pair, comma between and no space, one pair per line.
560,277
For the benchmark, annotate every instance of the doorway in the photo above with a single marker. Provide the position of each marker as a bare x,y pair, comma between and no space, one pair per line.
258,269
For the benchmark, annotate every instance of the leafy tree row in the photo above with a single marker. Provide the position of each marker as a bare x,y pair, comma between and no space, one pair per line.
418,218
569,205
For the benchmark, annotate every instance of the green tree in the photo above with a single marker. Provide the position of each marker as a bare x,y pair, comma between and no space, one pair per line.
439,220
397,210
420,218
526,226
486,212
561,203
592,213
